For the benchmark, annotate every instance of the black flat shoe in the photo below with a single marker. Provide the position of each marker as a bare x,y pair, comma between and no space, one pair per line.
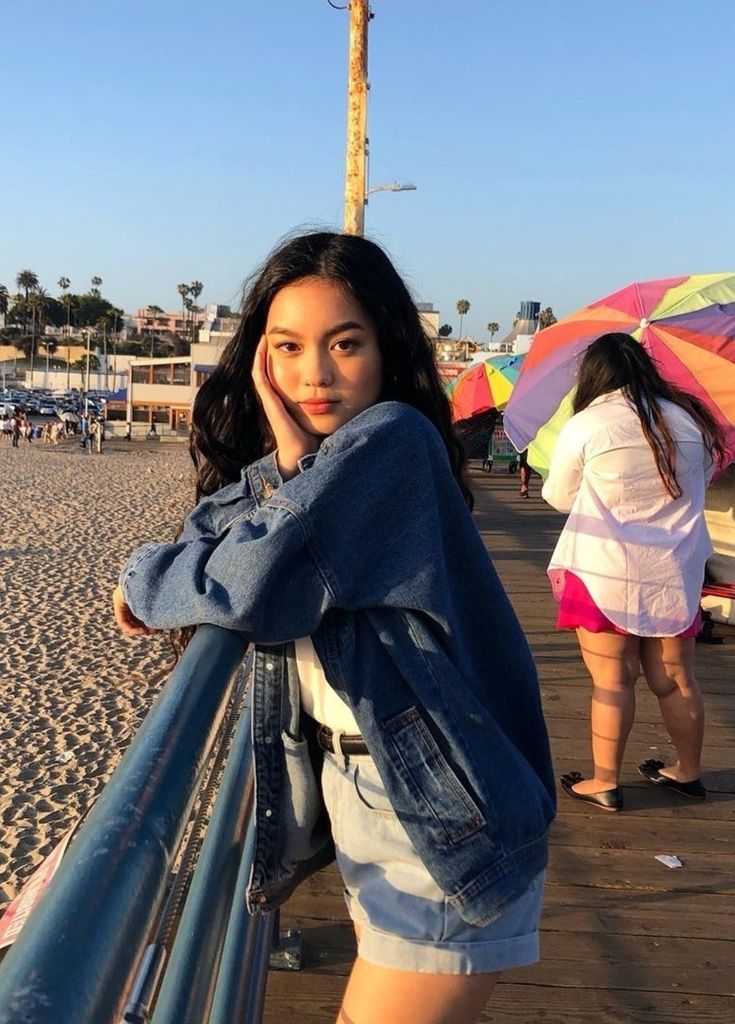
606,800
651,770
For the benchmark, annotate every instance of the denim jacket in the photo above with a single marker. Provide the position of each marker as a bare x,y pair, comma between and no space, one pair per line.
372,552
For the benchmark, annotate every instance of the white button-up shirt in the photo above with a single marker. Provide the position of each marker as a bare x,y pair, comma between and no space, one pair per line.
639,552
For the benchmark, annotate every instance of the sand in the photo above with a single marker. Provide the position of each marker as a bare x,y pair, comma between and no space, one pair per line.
73,689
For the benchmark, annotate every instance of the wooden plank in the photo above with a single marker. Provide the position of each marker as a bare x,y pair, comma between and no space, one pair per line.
560,700
515,1002
721,737
636,912
637,869
634,963
718,759
642,832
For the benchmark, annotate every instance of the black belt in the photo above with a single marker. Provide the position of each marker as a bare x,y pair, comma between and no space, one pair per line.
350,743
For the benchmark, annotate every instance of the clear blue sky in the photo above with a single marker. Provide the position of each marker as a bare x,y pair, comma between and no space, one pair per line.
561,148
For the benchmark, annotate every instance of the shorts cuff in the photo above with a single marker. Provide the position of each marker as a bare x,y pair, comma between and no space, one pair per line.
400,954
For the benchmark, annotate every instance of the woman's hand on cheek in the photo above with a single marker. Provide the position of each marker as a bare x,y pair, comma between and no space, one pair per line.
292,441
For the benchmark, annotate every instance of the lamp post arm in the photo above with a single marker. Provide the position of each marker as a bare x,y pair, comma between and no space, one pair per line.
393,186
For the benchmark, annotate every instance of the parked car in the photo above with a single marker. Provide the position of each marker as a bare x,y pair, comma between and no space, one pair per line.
6,408
47,409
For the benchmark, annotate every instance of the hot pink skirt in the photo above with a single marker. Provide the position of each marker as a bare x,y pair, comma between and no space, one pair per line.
576,608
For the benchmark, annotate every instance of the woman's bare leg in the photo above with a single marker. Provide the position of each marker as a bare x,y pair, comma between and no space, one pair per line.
380,995
613,662
668,665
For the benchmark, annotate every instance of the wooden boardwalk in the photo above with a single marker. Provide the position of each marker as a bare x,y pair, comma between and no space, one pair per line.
625,940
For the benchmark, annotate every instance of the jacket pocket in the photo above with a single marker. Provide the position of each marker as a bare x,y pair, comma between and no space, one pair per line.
301,806
430,778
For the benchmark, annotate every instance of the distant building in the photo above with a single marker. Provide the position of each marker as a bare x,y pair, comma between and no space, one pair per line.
147,322
519,338
454,357
429,319
214,334
159,393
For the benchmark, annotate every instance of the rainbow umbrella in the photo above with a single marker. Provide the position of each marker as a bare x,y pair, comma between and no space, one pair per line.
484,386
686,323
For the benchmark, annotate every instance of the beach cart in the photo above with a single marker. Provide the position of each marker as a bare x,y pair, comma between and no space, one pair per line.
500,451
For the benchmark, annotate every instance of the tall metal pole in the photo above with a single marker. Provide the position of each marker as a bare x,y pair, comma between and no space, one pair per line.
86,386
356,119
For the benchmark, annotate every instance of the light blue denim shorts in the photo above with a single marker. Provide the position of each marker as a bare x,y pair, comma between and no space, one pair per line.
406,921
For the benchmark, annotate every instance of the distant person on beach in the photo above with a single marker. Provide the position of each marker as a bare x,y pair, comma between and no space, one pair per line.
95,435
393,688
631,467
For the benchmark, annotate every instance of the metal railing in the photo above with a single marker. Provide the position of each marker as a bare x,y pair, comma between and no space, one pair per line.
90,953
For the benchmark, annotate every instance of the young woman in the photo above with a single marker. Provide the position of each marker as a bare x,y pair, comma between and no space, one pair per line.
631,467
333,531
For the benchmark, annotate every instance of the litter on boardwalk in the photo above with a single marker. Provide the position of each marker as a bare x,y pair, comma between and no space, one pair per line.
670,860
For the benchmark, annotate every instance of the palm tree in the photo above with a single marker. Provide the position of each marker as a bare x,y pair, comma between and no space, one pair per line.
64,283
546,318
37,303
155,312
4,299
463,307
196,288
26,280
183,290
95,289
493,328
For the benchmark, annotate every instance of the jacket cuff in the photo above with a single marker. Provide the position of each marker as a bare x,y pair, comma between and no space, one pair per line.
264,477
131,567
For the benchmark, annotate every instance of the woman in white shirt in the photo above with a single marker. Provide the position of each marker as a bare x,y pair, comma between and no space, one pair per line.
631,468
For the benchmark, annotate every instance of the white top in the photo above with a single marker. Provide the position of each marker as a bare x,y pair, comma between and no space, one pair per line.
639,552
318,699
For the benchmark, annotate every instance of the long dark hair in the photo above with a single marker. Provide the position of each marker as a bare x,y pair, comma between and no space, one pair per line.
618,362
229,429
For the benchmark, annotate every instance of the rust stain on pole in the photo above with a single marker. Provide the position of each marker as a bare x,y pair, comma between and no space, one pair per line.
356,119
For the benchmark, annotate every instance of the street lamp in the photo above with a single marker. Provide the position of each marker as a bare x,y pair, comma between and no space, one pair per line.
393,186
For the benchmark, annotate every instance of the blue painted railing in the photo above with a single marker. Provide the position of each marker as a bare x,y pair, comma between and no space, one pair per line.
78,959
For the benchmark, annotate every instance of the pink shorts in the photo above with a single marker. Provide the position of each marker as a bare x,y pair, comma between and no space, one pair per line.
576,608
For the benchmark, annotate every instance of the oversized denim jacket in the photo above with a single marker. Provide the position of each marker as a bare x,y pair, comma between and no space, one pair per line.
372,552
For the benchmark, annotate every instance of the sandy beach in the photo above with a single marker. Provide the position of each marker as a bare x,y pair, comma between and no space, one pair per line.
73,690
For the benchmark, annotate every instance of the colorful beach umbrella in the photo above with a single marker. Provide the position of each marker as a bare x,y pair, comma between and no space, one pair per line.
687,324
484,386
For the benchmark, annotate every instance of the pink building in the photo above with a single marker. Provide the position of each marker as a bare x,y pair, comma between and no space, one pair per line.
147,322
